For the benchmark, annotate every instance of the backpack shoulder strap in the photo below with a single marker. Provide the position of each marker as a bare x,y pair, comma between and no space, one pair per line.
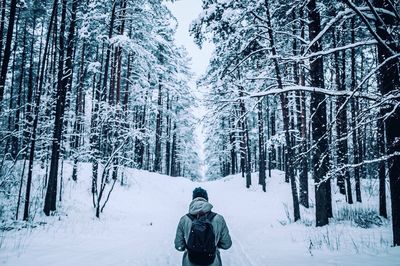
211,216
191,216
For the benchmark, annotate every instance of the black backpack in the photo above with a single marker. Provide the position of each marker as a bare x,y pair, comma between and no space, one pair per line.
201,242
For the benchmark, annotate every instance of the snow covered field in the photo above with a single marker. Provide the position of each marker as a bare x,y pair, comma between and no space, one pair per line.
138,227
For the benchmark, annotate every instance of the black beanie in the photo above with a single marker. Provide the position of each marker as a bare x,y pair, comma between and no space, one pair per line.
199,192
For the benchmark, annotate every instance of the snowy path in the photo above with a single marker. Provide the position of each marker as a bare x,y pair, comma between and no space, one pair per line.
139,224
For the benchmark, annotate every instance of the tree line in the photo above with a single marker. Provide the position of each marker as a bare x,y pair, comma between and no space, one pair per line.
308,87
90,81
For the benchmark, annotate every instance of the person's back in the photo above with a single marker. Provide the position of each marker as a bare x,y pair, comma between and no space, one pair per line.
200,210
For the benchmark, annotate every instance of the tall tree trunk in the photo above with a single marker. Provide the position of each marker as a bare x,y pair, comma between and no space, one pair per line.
108,54
157,151
118,69
273,134
79,113
7,48
340,181
174,167
288,158
342,117
64,80
389,83
242,144
261,151
104,145
168,137
304,199
140,142
36,112
382,165
2,22
343,177
51,192
106,139
11,104
354,108
232,139
29,97
269,153
94,131
16,137
320,160
245,142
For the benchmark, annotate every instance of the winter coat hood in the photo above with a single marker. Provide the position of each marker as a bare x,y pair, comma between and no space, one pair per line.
199,206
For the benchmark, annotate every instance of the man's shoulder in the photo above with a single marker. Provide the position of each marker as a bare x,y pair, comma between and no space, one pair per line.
215,216
185,216
218,215
218,218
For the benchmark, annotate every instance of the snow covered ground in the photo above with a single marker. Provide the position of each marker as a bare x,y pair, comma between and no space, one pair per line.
138,227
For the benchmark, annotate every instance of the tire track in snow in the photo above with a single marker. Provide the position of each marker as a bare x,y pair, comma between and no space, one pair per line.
242,255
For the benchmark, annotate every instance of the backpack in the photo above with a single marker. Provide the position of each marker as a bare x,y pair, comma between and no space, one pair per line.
201,241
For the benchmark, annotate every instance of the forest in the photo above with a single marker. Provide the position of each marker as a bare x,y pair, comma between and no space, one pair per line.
308,87
90,81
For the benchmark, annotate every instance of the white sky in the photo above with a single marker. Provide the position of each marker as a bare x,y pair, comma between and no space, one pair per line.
185,12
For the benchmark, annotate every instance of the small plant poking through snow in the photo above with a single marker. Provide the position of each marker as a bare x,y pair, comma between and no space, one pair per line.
361,217
288,217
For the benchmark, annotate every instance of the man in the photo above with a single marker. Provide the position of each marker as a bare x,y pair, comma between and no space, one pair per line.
200,216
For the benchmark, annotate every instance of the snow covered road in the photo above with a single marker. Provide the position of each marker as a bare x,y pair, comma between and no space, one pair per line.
138,228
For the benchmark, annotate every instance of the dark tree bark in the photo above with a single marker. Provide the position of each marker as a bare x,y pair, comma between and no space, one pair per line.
299,77
288,151
51,192
389,83
320,160
108,55
245,142
94,132
174,167
261,151
157,151
139,142
304,198
29,97
168,138
36,112
2,22
248,153
341,146
343,177
15,138
11,104
273,133
242,145
279,162
64,80
354,107
382,166
232,139
104,145
7,48
269,152
79,113
118,74
342,125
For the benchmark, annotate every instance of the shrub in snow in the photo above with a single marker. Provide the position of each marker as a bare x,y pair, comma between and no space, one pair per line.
361,217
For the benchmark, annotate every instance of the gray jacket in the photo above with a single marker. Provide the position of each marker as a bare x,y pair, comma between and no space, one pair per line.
222,237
